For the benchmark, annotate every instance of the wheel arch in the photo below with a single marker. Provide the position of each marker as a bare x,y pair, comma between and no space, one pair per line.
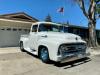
21,41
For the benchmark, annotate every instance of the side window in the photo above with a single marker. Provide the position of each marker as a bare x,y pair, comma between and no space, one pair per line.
42,27
45,27
34,28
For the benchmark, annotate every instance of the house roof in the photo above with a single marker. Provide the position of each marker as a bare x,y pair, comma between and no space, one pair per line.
21,16
78,27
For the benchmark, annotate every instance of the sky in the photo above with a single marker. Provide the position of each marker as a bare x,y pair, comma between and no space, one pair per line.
39,9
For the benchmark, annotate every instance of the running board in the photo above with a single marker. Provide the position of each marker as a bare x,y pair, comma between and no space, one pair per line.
31,51
35,53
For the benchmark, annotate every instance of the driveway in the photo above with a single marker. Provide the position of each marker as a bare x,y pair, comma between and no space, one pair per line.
22,63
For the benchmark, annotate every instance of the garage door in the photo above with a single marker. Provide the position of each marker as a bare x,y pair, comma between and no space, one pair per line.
9,37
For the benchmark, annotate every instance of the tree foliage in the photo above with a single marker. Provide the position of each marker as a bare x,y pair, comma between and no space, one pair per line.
97,1
48,18
98,8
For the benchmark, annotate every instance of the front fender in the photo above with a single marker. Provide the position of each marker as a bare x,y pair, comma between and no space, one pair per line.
52,46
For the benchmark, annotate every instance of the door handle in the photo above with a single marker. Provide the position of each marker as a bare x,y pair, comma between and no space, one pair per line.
44,36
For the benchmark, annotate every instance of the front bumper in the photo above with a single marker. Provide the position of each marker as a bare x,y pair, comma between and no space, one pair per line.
72,57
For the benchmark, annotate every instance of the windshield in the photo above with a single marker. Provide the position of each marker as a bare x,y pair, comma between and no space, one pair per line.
52,28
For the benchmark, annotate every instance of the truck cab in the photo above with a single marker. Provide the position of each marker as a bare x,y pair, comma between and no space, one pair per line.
48,41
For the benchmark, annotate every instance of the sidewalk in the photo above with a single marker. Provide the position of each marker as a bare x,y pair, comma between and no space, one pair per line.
94,51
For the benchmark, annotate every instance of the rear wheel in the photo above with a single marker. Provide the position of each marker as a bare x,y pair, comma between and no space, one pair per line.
21,47
44,55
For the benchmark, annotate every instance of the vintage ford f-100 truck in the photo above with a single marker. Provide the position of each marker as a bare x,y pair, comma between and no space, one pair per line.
49,42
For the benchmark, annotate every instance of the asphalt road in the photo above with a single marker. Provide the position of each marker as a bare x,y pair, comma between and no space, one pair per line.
21,63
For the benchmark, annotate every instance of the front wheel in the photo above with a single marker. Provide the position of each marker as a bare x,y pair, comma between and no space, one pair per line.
44,55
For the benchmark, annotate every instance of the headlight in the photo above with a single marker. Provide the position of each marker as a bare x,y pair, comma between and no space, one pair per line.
61,49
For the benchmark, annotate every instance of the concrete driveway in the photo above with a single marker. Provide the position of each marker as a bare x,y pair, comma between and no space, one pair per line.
21,63
9,50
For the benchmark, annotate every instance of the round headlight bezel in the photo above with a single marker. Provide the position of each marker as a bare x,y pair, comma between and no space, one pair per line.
61,49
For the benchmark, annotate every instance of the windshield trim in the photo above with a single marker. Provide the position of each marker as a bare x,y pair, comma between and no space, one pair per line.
58,28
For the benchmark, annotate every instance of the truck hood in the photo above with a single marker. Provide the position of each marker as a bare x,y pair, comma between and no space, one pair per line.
62,36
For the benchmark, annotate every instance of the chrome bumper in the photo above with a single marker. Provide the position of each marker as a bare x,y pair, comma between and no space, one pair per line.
72,57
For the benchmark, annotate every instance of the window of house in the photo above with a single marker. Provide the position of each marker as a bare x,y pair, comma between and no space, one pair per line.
34,28
25,30
65,29
70,29
8,29
2,29
19,29
99,34
14,29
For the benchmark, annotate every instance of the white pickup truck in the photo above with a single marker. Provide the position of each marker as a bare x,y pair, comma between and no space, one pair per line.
49,42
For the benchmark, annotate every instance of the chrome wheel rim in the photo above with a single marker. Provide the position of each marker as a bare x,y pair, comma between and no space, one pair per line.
44,54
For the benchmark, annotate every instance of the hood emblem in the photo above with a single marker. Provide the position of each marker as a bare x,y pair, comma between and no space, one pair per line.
76,38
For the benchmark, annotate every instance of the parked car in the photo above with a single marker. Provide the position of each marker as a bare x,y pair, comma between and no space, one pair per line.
49,42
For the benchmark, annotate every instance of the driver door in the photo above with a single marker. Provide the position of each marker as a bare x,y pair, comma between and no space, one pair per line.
33,37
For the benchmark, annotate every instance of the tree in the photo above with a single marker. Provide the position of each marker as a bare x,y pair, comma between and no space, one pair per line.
48,18
98,9
91,14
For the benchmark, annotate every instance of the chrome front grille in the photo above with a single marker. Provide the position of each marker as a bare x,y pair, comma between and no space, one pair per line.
73,48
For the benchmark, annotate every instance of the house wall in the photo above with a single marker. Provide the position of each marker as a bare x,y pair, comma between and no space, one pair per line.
10,32
14,23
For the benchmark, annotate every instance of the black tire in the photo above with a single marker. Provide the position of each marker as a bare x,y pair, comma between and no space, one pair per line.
21,47
44,55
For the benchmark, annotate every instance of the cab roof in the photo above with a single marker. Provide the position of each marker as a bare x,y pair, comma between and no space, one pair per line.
45,23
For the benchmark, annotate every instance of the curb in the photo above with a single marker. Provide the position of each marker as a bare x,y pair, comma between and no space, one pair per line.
9,50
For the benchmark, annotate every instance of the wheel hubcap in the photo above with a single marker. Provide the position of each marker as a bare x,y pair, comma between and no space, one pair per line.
44,54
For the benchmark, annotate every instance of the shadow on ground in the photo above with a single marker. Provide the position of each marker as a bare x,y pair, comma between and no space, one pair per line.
72,63
67,64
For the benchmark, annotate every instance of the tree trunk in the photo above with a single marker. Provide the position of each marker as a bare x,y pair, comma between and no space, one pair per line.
92,34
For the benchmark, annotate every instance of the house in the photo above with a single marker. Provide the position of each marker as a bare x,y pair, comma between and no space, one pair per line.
81,31
12,26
